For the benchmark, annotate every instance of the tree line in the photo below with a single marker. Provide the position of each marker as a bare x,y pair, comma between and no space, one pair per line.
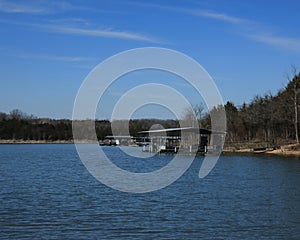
17,125
272,119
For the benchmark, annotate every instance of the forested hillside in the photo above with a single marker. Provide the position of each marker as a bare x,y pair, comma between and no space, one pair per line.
268,119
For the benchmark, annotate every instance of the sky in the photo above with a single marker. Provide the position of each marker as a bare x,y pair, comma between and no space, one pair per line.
48,47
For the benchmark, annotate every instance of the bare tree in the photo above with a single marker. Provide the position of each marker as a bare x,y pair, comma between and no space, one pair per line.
296,92
198,109
189,117
17,114
295,88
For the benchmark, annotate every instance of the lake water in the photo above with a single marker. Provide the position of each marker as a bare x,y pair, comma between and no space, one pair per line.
47,193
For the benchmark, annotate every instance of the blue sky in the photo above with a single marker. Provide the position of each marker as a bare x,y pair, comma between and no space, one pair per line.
48,47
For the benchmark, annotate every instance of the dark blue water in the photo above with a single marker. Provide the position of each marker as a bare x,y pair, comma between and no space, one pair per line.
46,193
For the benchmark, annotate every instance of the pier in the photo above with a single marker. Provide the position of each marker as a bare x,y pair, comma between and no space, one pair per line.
172,140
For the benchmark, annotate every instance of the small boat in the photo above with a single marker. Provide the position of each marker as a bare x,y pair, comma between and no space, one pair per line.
259,150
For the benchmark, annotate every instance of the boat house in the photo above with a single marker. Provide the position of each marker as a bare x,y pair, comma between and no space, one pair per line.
185,140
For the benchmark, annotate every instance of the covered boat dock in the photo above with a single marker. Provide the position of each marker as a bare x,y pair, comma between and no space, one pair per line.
187,140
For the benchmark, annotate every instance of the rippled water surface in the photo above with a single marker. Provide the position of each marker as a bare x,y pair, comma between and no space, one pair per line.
46,193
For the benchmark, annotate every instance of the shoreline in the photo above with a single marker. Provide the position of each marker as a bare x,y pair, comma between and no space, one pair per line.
270,152
10,141
285,150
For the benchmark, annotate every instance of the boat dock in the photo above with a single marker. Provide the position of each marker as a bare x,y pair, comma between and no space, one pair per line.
172,140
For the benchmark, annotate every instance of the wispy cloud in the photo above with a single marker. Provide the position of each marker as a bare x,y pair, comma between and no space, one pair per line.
246,27
216,16
38,7
196,12
80,27
98,33
14,7
281,42
59,58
